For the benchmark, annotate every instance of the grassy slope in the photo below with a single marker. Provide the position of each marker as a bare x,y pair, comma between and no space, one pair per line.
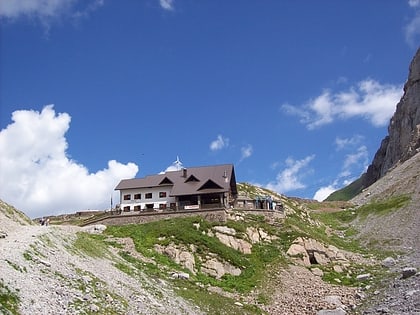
347,192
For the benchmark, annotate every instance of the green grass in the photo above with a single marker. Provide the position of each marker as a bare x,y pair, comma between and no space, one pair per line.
294,227
342,221
9,300
182,232
213,303
347,192
383,207
16,267
91,245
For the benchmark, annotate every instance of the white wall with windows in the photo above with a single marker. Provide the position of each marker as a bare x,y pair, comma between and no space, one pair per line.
146,198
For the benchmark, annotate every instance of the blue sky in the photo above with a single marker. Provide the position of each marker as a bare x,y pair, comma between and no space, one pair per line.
296,94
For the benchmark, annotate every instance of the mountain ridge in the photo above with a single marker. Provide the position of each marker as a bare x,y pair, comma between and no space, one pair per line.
402,141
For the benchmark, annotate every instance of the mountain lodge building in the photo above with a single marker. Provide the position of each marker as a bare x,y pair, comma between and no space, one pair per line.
207,187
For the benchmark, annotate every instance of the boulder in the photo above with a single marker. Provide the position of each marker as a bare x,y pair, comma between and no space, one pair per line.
235,243
225,230
94,229
363,277
217,269
334,300
178,255
299,252
317,272
408,272
312,251
337,311
388,262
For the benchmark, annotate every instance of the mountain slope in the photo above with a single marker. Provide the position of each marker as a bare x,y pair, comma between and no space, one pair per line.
178,266
348,192
403,140
402,225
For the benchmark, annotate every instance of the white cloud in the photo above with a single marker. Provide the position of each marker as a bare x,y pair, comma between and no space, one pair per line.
345,143
220,143
40,8
412,30
353,163
359,158
369,99
291,177
167,4
246,152
48,11
323,193
37,176
414,3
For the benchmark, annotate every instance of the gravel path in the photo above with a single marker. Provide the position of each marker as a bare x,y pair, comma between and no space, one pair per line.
299,291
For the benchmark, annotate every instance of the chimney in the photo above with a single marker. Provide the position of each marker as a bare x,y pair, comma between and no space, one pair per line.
184,172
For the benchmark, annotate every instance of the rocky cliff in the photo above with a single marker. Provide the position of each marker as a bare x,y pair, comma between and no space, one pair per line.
403,139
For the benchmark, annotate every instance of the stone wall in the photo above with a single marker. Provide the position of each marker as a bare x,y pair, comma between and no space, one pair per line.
214,215
270,215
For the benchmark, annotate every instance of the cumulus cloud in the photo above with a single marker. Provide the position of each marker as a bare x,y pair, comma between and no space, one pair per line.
167,4
323,193
38,177
369,99
246,152
220,143
354,164
291,177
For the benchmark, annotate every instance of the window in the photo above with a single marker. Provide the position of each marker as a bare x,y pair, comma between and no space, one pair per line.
137,208
162,194
126,209
137,196
127,197
148,196
162,206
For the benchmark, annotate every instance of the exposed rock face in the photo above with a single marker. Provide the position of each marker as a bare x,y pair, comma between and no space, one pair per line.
403,140
307,251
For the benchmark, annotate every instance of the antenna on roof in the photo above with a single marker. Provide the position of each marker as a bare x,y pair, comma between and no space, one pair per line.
178,164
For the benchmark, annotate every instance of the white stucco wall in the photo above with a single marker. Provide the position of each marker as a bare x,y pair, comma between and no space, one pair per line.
155,200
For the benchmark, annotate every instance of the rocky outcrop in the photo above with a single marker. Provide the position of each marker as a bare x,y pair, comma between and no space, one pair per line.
227,236
403,139
307,252
215,268
179,255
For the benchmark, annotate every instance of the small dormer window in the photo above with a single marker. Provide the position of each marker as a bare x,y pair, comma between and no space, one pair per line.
192,178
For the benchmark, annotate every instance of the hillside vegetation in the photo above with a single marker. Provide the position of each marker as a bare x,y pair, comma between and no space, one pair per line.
191,266
348,192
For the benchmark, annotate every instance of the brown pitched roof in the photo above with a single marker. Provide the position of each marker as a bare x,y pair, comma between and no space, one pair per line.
188,181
